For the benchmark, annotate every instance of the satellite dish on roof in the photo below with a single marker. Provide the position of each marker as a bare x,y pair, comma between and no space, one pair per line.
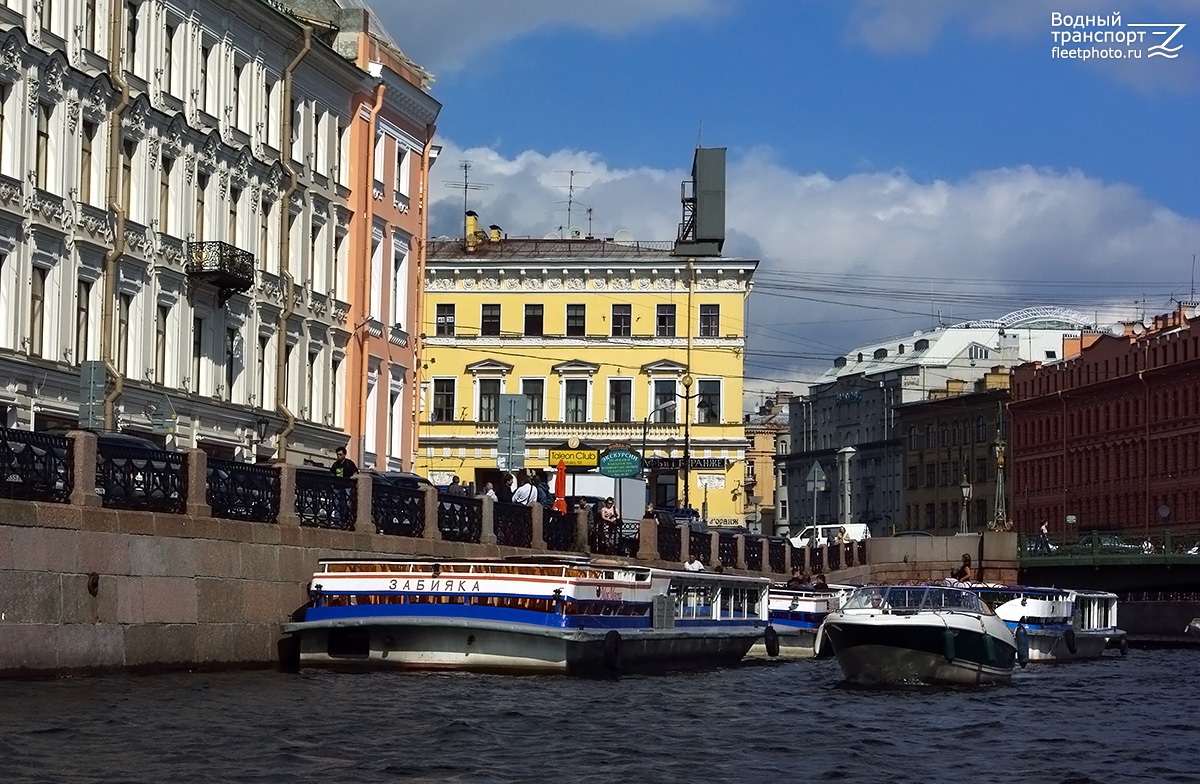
552,236
575,233
624,237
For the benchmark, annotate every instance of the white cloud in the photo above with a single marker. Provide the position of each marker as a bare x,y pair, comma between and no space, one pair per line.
445,34
872,255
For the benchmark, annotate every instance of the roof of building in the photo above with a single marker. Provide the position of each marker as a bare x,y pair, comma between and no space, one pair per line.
510,248
1020,336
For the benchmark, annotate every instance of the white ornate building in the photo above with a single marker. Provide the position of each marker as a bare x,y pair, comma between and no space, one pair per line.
173,191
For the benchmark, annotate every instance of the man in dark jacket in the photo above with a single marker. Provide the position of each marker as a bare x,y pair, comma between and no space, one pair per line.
504,490
343,466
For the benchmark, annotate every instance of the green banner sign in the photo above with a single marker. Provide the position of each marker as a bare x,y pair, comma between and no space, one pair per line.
621,464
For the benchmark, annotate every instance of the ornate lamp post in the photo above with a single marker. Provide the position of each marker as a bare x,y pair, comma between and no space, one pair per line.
965,486
1000,510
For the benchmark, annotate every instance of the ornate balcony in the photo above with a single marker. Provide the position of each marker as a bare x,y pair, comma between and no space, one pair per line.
222,265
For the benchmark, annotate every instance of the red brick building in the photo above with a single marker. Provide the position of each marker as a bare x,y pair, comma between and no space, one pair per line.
1109,438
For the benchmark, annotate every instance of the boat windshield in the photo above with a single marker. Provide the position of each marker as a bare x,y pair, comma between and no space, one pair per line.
915,598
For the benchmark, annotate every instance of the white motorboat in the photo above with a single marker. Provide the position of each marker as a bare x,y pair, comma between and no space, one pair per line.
920,634
1059,624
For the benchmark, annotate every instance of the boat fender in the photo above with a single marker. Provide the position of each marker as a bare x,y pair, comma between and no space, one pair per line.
989,649
612,650
948,645
771,641
1069,639
1022,636
1124,645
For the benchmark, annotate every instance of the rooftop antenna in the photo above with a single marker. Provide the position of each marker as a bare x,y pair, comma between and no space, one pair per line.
1193,277
466,185
699,133
571,190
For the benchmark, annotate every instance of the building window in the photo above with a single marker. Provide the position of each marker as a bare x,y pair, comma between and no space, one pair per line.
128,151
576,320
489,320
620,400
489,400
622,321
534,390
576,401
235,196
664,393
288,396
87,144
202,78
37,311
400,284
263,344
201,207
198,354
168,65
445,320
124,306
533,320
45,112
310,394
443,400
160,343
164,194
930,436
913,439
231,341
235,99
710,321
665,321
131,31
89,25
708,405
335,368
83,300
264,233
401,185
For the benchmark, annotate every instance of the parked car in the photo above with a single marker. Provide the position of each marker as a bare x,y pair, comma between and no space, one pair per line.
922,534
1106,542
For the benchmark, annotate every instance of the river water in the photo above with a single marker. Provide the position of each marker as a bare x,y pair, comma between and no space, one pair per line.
1130,719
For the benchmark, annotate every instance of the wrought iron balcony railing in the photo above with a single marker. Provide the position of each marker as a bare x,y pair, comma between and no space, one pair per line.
222,265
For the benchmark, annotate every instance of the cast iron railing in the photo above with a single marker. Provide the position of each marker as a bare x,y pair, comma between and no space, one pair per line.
700,545
727,550
152,480
754,553
513,524
228,268
325,501
242,491
670,542
777,555
558,530
460,519
35,466
398,511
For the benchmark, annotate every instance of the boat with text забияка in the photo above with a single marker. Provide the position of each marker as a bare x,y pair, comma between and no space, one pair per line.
1057,624
569,615
795,615
920,634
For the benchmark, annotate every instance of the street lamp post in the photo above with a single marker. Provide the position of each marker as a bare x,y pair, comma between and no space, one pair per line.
687,439
646,425
965,486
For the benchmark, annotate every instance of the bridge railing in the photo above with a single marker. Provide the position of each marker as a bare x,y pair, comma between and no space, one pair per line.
1107,544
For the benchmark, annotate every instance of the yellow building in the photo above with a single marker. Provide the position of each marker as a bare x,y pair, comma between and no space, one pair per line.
609,341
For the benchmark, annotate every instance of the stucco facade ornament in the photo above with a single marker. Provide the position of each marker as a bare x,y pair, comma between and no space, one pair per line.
10,59
708,284
511,283
554,284
152,145
134,119
643,284
533,284
468,283
52,76
621,284
189,168
491,284
34,95
729,283
664,284
9,191
599,284
73,109
575,284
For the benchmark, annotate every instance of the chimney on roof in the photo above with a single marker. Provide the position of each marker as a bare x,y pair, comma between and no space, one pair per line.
471,239
494,233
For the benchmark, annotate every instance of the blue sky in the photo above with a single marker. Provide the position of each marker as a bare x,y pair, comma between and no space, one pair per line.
891,163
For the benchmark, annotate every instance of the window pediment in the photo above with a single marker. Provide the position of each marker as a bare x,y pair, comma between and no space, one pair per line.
575,367
489,367
664,367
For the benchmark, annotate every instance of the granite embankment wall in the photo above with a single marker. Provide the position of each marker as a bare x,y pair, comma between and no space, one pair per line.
925,558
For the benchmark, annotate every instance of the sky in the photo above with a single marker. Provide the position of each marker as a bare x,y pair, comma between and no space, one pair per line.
892,164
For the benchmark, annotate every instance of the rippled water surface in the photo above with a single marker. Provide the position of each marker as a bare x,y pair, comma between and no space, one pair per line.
1114,720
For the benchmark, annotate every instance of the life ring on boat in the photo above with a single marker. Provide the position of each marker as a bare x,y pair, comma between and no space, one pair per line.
771,641
1124,645
612,650
948,645
1022,637
1069,639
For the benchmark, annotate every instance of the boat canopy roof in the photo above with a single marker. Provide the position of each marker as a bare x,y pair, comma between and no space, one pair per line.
916,598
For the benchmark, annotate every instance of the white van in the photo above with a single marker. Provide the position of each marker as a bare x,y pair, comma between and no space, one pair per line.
827,533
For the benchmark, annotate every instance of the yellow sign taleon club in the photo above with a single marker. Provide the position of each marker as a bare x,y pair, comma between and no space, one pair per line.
575,457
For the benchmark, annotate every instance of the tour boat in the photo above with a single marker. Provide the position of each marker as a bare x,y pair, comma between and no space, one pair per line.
571,615
1059,624
919,634
795,615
